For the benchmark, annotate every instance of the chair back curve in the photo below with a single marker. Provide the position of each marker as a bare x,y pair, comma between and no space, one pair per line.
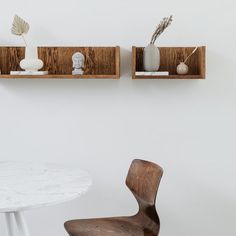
143,180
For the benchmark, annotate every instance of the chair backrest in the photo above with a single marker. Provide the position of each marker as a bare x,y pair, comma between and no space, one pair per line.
143,180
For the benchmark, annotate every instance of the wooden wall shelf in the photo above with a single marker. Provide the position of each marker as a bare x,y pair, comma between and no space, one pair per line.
170,58
100,62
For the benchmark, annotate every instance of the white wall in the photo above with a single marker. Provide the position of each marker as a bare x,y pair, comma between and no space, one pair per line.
188,127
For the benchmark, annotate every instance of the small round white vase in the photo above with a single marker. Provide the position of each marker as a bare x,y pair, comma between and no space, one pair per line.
31,62
151,58
182,69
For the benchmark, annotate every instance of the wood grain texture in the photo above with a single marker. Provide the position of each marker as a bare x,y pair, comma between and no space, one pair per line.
170,58
100,62
143,180
134,61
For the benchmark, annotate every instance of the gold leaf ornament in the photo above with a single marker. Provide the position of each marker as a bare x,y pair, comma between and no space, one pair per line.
19,26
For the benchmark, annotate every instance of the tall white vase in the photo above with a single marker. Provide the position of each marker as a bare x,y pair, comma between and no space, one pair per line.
31,63
151,58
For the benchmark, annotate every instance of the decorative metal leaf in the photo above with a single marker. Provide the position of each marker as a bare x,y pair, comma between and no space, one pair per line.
19,26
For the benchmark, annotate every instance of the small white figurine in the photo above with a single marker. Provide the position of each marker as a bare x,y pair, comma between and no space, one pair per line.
78,63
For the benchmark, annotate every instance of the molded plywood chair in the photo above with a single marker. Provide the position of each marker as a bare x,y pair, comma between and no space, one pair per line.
143,180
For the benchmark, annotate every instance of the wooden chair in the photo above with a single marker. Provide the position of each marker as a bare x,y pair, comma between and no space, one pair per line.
143,180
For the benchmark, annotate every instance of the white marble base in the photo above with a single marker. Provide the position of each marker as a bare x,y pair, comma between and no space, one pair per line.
77,72
29,73
161,73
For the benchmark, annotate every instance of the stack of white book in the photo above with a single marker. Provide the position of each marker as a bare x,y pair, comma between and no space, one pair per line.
152,73
29,73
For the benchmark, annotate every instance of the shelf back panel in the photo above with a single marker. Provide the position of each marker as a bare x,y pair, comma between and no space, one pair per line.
172,56
58,60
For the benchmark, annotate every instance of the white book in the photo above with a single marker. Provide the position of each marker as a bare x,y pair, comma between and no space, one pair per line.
152,73
29,73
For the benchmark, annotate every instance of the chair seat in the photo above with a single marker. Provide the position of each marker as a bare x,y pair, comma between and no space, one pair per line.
122,226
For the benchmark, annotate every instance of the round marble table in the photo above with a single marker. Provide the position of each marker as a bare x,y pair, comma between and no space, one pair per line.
25,185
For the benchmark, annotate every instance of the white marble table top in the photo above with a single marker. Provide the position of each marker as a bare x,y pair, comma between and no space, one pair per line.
26,185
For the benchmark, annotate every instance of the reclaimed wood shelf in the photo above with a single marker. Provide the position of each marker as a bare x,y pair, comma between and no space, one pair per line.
170,58
100,62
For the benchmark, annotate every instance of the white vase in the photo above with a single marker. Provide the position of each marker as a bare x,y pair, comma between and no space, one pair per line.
182,69
151,58
31,63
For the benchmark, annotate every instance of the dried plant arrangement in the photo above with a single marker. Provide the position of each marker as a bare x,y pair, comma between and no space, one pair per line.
195,49
20,27
161,28
182,68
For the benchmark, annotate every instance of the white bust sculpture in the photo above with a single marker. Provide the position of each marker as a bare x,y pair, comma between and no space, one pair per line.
78,63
